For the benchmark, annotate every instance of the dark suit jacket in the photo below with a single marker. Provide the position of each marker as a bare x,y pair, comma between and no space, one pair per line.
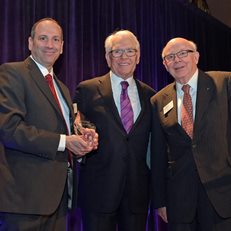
119,163
32,172
179,162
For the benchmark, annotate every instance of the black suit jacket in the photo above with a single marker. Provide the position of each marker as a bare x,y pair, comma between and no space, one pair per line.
32,172
119,163
178,162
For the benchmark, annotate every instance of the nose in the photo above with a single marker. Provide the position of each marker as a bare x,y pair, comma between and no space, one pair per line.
50,43
124,55
176,59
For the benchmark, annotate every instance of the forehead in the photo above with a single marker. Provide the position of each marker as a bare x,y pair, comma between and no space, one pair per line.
175,46
48,27
123,41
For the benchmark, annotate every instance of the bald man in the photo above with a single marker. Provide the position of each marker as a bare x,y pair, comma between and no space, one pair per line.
191,158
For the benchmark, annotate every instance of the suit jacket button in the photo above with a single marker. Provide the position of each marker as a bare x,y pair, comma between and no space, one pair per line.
194,146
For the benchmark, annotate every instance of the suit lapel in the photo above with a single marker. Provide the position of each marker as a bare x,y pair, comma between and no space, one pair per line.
66,96
169,109
142,103
64,92
41,83
105,90
205,92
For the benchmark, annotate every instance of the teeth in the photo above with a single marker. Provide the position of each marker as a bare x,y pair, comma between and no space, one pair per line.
177,68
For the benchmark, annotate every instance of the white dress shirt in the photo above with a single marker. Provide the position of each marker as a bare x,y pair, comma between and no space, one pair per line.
64,107
193,93
132,93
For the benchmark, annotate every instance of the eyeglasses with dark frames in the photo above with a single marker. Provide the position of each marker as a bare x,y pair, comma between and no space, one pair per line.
181,54
119,52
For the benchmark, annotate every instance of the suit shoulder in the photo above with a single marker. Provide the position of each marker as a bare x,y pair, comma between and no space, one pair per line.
11,66
90,82
147,87
219,74
14,71
163,92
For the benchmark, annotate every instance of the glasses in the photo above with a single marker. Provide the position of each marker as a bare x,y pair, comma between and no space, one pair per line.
119,52
181,54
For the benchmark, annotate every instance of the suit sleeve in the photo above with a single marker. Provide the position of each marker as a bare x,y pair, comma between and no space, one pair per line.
15,131
158,160
229,94
80,98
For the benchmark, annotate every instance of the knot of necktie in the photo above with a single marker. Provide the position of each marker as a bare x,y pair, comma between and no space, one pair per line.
48,78
186,88
124,85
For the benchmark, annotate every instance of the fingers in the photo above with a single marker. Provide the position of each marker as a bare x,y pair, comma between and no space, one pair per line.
78,145
91,136
162,212
82,144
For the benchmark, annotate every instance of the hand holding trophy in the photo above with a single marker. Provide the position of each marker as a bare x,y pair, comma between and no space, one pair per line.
88,130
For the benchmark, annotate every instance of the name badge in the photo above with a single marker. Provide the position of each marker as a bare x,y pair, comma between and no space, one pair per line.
168,107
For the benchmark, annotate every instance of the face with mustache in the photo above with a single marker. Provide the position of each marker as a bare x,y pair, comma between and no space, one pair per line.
181,68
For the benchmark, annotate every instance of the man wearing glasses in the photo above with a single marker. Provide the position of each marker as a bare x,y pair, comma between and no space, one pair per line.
114,181
191,155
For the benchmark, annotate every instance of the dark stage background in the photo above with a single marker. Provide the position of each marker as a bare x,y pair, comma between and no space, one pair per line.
86,23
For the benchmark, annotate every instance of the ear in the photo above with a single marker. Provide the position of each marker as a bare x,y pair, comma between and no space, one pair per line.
108,58
30,43
138,57
196,57
61,51
165,65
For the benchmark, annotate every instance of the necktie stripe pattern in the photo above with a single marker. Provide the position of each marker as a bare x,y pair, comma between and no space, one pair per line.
187,111
126,108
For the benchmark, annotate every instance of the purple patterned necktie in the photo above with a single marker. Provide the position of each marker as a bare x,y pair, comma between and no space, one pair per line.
187,111
126,111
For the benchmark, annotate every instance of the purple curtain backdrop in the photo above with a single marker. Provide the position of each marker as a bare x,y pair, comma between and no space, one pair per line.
86,23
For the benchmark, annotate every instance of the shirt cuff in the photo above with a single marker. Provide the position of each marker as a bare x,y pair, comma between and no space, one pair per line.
62,143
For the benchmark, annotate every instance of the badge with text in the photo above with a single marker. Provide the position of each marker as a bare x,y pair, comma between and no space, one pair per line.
168,107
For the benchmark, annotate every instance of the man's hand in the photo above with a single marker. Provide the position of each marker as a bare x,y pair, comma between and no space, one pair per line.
79,145
91,137
162,212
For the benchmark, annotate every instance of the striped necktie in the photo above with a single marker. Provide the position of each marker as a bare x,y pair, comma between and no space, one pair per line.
187,111
126,111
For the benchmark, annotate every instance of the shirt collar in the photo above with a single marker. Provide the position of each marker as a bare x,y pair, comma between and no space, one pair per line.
42,68
192,83
115,80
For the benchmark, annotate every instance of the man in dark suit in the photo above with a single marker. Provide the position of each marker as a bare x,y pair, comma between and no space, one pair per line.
33,141
191,158
114,181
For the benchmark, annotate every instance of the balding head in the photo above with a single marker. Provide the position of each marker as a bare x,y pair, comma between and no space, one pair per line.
180,58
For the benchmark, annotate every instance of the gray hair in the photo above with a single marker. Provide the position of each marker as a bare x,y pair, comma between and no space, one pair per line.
109,40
